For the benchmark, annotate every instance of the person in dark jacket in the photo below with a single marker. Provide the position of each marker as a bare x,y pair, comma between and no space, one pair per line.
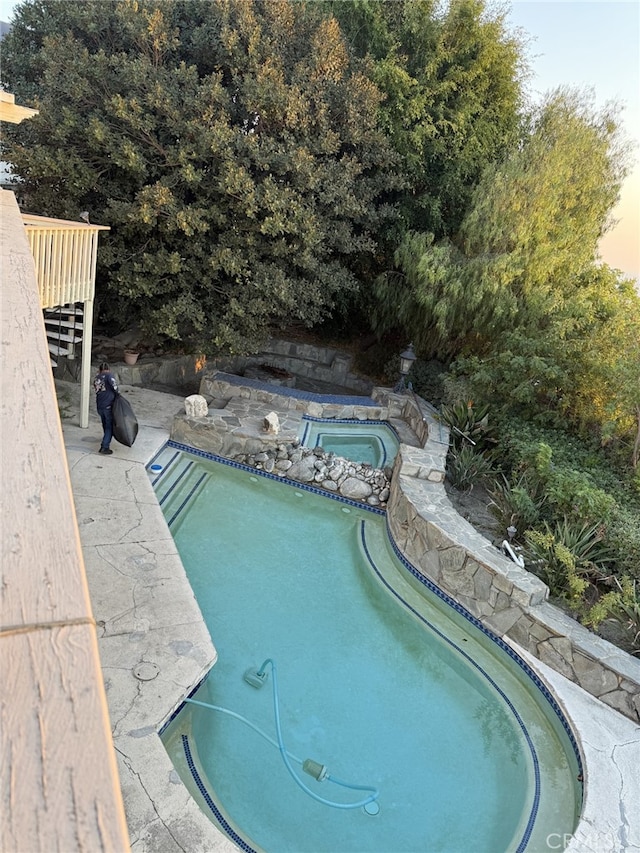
106,389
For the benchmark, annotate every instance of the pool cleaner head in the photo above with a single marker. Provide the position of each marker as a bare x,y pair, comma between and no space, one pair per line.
315,769
254,677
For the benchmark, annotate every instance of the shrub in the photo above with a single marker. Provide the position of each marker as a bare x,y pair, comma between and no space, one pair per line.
554,563
623,537
622,605
427,379
470,425
467,468
518,505
568,556
571,491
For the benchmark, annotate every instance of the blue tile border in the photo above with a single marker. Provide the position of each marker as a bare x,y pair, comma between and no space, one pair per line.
231,833
534,757
182,704
524,666
283,391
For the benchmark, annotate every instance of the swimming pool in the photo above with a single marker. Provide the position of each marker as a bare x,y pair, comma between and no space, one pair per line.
379,680
372,442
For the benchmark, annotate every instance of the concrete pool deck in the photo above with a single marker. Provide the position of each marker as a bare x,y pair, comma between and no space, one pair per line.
154,648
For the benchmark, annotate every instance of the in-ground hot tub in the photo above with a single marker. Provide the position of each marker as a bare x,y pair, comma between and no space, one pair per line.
374,443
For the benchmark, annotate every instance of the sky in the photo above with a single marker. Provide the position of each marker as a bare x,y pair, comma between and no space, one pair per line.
592,44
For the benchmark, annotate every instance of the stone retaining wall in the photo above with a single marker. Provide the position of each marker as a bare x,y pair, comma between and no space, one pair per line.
223,386
510,601
323,364
238,427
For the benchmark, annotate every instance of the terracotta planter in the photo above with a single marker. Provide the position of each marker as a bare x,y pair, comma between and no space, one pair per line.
130,357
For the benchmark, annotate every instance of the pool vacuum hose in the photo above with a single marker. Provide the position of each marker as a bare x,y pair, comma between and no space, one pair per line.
256,678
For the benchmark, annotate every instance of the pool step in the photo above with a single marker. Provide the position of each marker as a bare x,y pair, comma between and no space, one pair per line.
176,478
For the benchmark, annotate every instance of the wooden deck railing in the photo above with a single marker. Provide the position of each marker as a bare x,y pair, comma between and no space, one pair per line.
60,788
65,254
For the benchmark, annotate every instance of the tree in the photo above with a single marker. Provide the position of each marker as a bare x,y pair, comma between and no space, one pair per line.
606,389
518,262
232,147
452,82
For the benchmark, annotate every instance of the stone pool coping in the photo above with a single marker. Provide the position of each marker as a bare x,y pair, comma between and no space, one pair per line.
146,614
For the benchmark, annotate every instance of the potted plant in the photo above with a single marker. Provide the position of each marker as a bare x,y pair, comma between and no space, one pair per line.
131,356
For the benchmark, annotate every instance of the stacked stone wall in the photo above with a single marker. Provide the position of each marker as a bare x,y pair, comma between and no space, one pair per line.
510,601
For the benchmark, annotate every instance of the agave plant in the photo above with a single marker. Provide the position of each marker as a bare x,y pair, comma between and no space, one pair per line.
588,544
516,505
568,556
469,425
467,468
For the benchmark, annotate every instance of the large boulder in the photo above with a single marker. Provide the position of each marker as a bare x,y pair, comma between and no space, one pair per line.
357,490
303,471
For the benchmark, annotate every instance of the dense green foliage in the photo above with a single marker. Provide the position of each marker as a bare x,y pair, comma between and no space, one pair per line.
451,76
525,246
233,148
256,162
517,300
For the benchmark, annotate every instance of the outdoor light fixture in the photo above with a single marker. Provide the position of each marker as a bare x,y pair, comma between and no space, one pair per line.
406,360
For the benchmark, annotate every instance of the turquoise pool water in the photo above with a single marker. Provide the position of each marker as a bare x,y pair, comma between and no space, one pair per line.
372,442
379,679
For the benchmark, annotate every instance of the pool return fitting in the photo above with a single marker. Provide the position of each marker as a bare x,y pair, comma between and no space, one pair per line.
257,678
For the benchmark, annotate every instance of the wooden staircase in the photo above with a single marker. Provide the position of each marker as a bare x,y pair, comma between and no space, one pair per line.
64,327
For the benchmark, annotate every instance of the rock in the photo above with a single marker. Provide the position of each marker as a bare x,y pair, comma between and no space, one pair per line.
356,489
271,423
324,470
196,406
303,471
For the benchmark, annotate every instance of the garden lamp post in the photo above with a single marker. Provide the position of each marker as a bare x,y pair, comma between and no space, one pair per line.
406,360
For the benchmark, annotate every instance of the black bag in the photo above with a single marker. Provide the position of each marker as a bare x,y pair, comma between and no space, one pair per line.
125,423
